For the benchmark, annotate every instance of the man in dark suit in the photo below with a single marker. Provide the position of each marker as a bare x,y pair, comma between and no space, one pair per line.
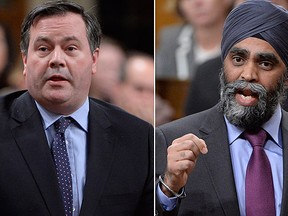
206,154
204,88
109,152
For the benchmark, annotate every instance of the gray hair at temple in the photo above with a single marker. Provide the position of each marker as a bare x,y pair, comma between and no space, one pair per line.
257,18
52,8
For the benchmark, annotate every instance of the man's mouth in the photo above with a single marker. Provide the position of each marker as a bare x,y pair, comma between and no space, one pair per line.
246,97
56,78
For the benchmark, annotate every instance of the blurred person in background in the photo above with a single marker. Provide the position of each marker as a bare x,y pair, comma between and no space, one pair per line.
7,58
15,79
136,86
183,47
111,57
203,91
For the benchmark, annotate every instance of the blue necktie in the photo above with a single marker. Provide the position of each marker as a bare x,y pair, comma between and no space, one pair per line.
260,199
62,164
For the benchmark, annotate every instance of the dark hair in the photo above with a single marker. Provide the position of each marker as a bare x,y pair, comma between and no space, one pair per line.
52,8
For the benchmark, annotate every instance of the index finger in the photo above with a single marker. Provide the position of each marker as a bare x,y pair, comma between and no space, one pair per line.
200,143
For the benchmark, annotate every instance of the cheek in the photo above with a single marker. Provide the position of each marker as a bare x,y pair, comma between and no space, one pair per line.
269,83
231,74
31,76
27,78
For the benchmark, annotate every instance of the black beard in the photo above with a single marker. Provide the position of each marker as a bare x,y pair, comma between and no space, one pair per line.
254,116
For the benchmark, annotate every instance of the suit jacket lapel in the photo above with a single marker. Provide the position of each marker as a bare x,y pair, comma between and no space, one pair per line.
101,151
284,126
219,163
30,137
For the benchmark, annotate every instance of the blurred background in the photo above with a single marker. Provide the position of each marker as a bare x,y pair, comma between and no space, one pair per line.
131,22
188,37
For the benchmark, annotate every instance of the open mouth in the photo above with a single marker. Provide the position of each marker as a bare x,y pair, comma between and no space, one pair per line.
57,78
246,97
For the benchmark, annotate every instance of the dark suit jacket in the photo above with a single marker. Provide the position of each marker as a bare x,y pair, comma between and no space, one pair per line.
119,177
204,90
211,188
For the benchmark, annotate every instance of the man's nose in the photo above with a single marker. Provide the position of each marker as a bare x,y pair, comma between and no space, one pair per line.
57,58
250,72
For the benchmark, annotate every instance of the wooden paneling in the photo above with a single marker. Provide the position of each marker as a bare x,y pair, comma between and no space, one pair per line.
165,14
174,91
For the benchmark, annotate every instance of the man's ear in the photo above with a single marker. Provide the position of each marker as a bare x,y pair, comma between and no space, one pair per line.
24,60
95,59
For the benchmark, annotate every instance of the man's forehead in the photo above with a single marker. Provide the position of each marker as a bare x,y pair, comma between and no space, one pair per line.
61,18
61,24
261,51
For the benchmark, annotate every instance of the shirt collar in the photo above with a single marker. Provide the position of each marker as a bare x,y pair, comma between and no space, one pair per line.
272,126
80,115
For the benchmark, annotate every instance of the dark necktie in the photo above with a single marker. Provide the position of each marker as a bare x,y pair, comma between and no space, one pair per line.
259,194
62,164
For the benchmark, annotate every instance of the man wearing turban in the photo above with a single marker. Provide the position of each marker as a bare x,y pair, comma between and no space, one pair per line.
230,160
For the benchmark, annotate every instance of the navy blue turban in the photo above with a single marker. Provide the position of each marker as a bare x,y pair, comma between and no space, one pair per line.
257,18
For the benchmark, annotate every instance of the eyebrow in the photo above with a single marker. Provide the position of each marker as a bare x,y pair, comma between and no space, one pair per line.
239,51
261,56
42,38
268,57
66,39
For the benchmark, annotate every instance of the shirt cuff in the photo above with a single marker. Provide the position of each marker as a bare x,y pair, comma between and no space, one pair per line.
167,203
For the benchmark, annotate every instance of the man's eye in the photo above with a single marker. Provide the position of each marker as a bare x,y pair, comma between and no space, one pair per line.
71,48
266,65
237,60
43,49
